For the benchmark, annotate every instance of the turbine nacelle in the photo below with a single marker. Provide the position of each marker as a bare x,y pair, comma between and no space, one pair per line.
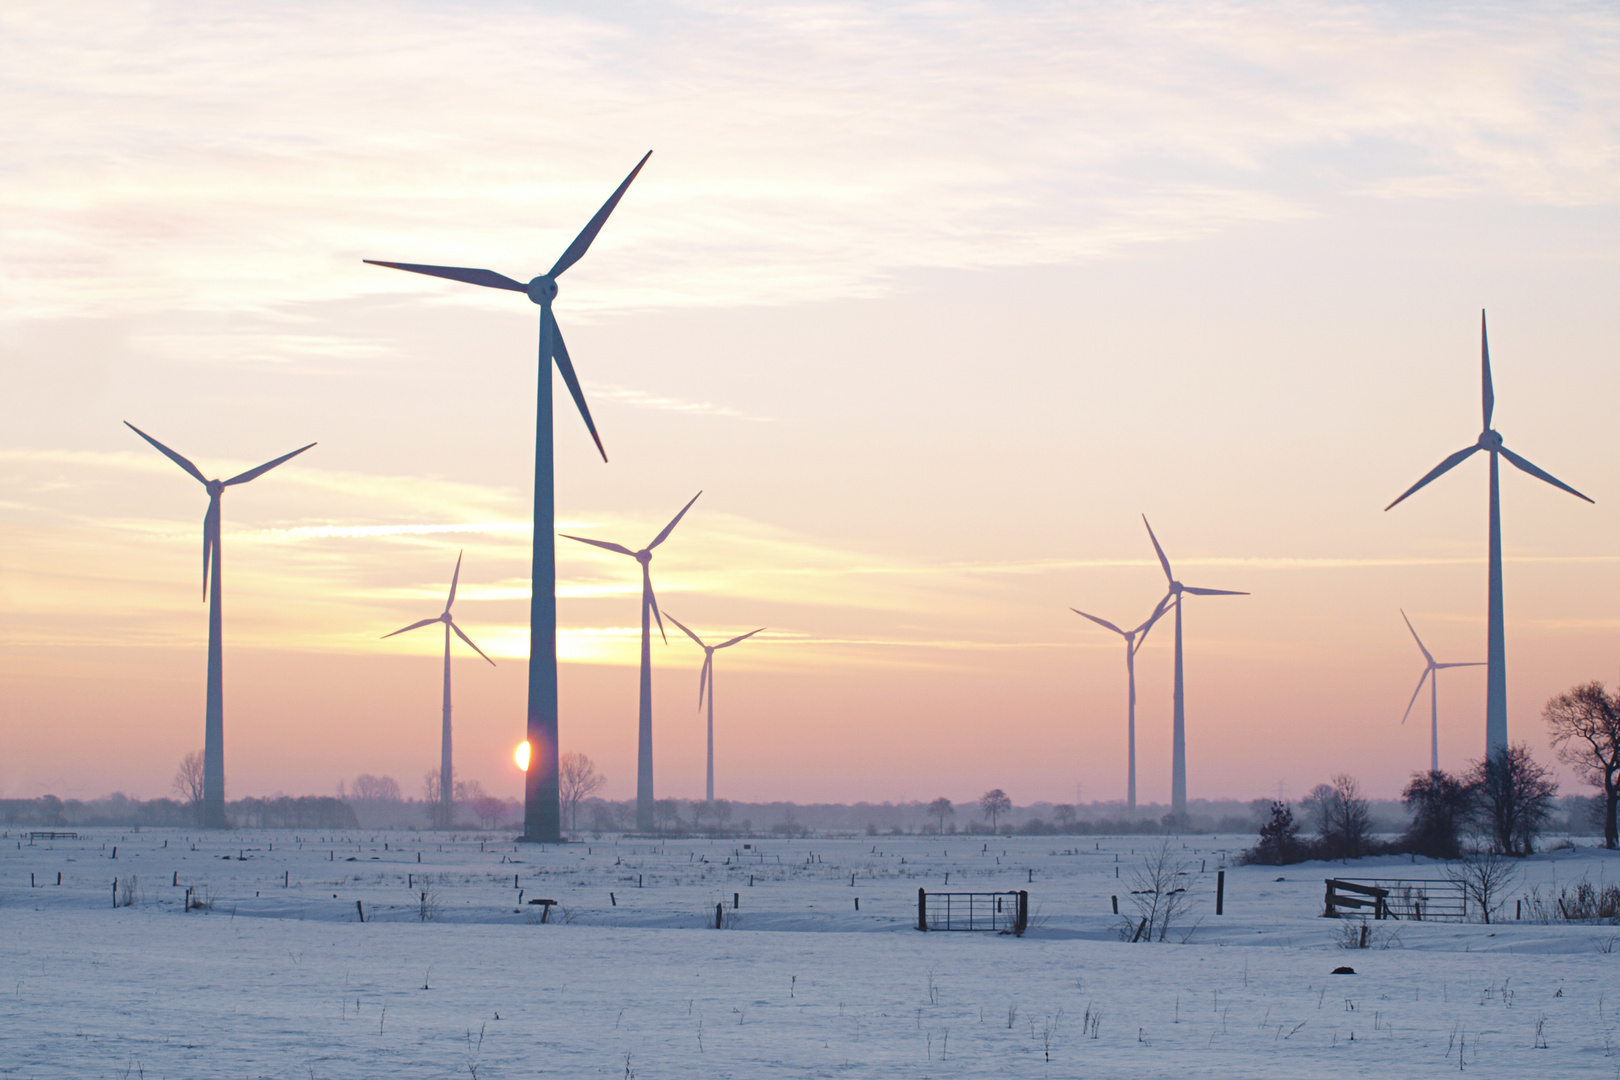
543,289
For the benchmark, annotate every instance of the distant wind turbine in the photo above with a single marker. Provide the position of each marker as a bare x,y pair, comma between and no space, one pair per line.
213,801
1178,763
542,805
706,680
446,768
649,611
1496,733
1429,669
1133,642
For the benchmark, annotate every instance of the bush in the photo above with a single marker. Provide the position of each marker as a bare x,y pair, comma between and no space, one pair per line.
1279,842
1440,805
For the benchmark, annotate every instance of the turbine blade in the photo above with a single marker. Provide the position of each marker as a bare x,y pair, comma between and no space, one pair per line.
254,474
1427,672
739,637
703,678
413,626
1164,562
454,578
1540,474
1417,639
1211,592
582,242
1471,663
1158,613
661,537
1445,466
469,642
651,597
620,548
487,278
566,366
210,537
689,633
1099,622
1487,392
170,454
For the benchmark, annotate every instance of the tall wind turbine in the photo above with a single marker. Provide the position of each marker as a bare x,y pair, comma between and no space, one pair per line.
1429,669
649,610
446,768
1496,733
213,801
706,679
542,806
1133,641
1178,762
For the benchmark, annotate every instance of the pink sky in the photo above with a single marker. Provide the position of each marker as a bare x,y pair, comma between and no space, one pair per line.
932,302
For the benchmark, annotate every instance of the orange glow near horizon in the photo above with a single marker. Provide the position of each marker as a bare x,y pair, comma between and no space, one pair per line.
930,362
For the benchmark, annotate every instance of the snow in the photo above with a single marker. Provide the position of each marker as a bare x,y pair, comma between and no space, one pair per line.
285,981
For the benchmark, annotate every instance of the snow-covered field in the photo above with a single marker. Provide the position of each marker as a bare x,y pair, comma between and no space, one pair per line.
279,977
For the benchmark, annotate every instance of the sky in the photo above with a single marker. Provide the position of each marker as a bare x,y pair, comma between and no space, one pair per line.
933,302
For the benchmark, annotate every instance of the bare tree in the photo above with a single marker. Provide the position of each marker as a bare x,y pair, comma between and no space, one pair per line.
368,788
1159,893
994,803
578,779
941,808
1585,727
188,781
720,813
468,791
1486,877
439,815
1440,805
1065,814
490,810
1515,795
1342,820
667,815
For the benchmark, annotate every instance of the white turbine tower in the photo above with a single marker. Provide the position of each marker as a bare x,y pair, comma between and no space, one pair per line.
706,681
1133,642
1178,763
446,767
1430,667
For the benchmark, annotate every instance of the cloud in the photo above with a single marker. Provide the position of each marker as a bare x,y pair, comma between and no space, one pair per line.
159,161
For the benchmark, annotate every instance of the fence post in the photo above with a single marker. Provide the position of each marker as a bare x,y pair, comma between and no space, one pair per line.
1141,926
1115,899
1327,902
922,909
1220,891
1023,913
358,906
719,914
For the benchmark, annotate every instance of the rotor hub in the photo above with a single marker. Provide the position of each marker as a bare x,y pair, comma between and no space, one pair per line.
644,556
543,290
445,618
1490,439
216,487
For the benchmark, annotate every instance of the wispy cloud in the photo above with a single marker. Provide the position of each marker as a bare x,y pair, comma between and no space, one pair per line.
1067,133
641,400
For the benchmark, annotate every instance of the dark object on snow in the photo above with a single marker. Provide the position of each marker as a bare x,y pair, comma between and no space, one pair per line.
545,907
1344,971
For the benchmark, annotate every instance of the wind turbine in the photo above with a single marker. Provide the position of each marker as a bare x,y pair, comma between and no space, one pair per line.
1496,736
1178,762
649,609
213,802
446,770
1133,642
706,679
1430,667
542,806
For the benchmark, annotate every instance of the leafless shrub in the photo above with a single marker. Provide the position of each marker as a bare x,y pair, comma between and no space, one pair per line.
1580,901
1486,877
428,903
1159,893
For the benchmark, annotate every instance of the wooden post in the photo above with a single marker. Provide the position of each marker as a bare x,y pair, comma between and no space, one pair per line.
1141,926
1220,891
1023,913
922,909
1327,902
1115,899
857,903
614,900
286,879
719,914
358,906
736,901
176,881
